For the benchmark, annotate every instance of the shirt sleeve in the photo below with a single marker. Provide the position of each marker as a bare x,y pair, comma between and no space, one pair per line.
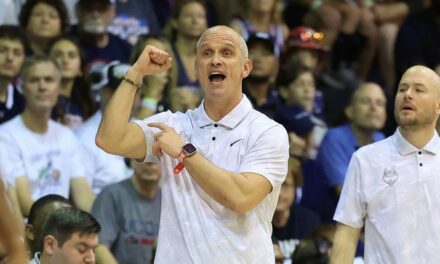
268,156
351,209
105,209
11,161
164,117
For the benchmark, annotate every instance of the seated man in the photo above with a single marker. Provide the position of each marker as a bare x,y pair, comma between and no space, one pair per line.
69,236
38,215
131,227
259,86
43,156
366,116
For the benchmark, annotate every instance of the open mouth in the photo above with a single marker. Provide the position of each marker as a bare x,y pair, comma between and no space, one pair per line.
216,77
407,108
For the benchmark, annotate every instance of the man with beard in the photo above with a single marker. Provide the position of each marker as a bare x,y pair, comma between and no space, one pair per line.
259,84
391,187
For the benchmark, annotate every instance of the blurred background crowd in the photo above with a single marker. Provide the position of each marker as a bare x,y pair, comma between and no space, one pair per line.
325,69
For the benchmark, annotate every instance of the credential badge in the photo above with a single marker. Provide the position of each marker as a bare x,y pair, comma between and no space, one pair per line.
390,176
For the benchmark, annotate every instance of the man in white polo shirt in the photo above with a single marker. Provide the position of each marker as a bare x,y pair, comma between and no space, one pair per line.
392,186
222,163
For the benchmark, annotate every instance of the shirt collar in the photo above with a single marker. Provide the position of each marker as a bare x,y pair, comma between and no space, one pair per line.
36,258
230,120
406,148
10,97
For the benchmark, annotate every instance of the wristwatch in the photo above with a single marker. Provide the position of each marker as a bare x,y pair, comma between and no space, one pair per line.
187,151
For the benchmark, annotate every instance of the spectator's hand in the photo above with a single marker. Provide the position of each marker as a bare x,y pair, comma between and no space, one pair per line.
167,140
152,61
297,145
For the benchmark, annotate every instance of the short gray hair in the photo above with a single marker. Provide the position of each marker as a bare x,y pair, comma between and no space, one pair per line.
37,59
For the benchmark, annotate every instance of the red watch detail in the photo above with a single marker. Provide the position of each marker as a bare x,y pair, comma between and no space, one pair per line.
179,167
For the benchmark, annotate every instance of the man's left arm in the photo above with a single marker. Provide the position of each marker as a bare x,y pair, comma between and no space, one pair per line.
238,191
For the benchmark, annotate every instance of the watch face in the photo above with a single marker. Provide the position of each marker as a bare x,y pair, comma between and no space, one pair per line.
189,149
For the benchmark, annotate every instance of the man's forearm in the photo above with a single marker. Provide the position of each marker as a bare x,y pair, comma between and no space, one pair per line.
24,196
82,194
18,215
238,192
344,244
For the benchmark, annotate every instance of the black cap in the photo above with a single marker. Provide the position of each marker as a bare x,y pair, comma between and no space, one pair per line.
262,37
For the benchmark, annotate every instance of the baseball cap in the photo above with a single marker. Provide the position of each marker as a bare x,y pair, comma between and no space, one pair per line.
262,37
305,38
110,75
295,119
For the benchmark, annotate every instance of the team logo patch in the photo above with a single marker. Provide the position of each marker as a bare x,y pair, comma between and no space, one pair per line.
390,176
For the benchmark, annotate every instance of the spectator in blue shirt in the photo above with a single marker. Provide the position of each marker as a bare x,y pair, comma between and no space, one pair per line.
366,116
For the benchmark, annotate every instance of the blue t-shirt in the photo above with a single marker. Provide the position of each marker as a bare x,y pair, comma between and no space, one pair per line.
329,171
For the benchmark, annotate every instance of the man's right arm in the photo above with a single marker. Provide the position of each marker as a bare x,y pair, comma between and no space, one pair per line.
116,134
344,244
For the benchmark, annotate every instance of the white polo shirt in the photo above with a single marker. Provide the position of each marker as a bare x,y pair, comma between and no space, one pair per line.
194,228
394,189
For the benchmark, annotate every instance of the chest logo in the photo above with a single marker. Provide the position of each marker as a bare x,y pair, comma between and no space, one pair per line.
390,176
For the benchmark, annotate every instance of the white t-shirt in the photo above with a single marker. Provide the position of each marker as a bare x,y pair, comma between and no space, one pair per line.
194,228
100,167
7,13
393,189
48,160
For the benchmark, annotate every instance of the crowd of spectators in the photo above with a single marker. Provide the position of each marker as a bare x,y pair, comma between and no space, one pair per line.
324,69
